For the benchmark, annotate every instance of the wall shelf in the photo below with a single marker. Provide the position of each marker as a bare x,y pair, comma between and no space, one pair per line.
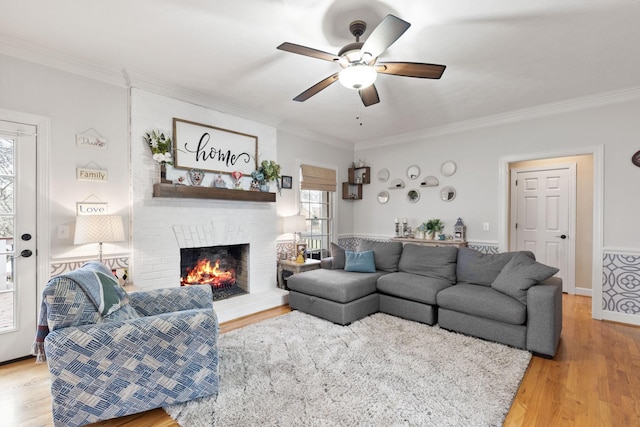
190,192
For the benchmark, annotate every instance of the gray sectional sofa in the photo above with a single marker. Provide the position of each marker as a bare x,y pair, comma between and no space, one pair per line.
507,298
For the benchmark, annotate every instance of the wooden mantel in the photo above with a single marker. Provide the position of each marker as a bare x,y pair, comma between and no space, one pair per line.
192,192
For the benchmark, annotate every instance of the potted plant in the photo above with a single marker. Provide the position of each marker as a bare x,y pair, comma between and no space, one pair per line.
434,226
267,171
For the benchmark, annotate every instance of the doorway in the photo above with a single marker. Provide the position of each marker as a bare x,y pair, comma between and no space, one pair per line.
589,213
20,242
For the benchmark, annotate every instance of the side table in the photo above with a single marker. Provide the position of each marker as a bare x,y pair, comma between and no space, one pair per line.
286,268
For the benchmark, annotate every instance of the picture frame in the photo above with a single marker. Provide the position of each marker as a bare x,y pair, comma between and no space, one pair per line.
213,149
287,181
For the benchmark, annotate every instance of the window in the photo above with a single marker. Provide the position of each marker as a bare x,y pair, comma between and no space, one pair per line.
316,206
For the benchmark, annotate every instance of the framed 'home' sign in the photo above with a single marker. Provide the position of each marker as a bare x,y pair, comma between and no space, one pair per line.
209,148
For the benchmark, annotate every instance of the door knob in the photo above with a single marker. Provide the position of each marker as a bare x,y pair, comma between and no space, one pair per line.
26,253
562,236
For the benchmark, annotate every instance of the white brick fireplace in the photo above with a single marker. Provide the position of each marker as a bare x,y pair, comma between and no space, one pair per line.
161,225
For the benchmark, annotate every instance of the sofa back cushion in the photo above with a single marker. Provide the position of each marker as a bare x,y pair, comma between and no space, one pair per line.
429,261
337,253
386,254
520,273
482,269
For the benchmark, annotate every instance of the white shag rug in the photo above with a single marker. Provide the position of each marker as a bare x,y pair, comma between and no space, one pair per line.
299,370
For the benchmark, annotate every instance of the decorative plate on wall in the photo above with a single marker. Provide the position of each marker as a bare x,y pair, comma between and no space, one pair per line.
635,159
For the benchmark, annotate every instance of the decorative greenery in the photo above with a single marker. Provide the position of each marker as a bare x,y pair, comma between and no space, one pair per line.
267,171
160,146
434,225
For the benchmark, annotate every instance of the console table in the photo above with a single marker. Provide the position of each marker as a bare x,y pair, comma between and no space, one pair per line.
433,242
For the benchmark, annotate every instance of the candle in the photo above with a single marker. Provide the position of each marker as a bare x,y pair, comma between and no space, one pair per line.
396,220
404,220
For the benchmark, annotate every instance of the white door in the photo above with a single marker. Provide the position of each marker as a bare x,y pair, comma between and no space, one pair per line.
18,290
543,217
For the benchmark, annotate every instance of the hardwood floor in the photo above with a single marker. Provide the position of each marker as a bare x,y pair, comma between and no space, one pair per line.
594,379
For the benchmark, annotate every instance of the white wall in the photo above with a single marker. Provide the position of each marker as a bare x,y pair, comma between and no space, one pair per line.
477,153
74,104
294,150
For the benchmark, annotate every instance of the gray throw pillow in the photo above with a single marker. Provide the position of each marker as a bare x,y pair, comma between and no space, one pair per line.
435,262
386,254
520,273
338,257
476,268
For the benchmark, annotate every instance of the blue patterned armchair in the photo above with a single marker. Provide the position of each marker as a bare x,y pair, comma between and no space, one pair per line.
154,349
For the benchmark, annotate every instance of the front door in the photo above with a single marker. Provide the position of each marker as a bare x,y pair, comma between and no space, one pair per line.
544,217
18,290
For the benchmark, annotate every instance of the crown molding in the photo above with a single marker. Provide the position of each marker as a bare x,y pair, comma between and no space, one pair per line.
40,55
544,110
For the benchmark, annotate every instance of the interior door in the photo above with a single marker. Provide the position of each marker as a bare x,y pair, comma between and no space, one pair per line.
544,219
18,290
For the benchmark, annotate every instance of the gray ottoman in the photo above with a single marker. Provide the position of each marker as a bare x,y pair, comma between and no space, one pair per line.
336,295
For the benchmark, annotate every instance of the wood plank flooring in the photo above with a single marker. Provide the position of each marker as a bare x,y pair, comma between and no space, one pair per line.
594,379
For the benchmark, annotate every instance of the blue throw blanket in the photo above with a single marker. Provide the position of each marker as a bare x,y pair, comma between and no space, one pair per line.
101,288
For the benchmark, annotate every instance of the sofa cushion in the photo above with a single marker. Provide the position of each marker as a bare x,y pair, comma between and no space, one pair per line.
386,254
435,262
359,262
483,301
482,269
335,285
413,287
337,253
520,273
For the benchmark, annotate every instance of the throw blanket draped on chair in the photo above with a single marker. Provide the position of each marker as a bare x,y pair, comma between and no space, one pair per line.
100,287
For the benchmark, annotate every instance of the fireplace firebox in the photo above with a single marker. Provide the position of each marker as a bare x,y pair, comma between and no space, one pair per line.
224,268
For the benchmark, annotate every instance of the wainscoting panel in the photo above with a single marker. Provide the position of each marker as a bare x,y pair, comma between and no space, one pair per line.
621,283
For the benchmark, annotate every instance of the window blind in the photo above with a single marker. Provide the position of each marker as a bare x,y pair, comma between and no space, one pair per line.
317,178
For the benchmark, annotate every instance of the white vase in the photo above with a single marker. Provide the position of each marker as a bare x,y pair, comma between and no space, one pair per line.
421,234
430,235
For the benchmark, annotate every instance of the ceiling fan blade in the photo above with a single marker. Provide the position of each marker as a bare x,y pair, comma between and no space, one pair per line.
307,51
317,88
369,95
411,69
384,35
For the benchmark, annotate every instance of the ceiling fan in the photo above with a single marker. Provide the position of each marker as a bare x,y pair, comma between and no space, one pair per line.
359,60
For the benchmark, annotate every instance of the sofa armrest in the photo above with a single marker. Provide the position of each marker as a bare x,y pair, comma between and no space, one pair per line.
326,263
544,316
120,368
158,301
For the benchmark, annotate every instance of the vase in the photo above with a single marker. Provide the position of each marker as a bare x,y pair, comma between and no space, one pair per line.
163,174
429,235
421,234
264,188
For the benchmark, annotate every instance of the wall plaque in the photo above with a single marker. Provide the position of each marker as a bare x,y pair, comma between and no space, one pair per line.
209,148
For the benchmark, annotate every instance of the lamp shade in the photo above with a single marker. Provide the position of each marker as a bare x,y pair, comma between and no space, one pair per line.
98,229
294,224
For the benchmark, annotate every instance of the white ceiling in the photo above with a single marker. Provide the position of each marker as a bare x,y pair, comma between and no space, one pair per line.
501,55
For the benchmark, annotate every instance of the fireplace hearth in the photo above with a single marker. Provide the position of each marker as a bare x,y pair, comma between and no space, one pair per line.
224,268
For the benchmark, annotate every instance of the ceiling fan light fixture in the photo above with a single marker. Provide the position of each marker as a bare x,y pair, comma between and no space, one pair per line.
357,76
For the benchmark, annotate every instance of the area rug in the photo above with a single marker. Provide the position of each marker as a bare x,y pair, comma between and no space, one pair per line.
299,370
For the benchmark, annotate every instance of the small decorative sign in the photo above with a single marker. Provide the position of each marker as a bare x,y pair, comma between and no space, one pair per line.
83,208
208,148
84,174
89,141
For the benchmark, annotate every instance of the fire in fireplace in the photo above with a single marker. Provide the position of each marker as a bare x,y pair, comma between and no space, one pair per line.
224,268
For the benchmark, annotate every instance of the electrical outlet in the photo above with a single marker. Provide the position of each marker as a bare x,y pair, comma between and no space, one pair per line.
63,232
485,226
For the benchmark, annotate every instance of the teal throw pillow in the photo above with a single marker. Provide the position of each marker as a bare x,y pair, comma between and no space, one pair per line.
359,262
520,273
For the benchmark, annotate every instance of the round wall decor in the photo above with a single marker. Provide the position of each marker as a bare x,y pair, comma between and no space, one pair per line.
635,159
